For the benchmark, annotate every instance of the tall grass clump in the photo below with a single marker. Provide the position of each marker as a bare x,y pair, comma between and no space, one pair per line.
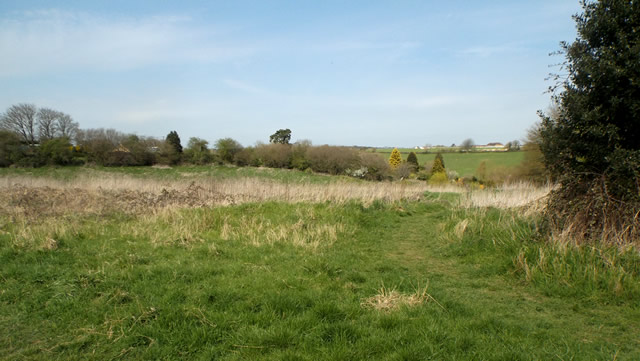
509,224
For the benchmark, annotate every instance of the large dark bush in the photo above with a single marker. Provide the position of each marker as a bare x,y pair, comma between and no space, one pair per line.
274,155
12,150
592,147
332,159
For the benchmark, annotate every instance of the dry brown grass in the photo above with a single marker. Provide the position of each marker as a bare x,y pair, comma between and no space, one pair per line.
108,193
526,196
388,299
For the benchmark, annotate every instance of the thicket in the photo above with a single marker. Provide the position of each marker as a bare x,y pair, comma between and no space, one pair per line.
591,147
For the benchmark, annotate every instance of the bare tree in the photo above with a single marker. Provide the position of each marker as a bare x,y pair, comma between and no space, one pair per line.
467,145
47,120
67,127
21,119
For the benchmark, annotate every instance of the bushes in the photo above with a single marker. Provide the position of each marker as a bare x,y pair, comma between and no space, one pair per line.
274,155
227,149
11,148
197,152
332,160
57,151
376,167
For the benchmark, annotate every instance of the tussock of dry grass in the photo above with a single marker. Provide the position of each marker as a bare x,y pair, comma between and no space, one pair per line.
259,232
509,196
388,300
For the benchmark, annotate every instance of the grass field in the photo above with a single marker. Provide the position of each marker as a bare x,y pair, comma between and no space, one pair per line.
466,164
391,271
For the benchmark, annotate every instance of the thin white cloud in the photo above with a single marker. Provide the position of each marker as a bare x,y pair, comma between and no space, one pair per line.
53,40
246,87
488,51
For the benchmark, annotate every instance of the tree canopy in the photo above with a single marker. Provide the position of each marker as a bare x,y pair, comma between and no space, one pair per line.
281,136
591,145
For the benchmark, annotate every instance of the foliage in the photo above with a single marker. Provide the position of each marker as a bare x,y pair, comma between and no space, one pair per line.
403,171
467,145
227,149
438,178
197,151
395,159
174,140
281,136
377,168
99,143
11,148
57,151
299,159
438,165
592,146
247,157
412,160
275,155
332,160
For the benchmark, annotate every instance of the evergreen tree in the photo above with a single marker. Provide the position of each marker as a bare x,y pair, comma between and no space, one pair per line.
438,164
281,136
174,140
591,147
395,159
412,159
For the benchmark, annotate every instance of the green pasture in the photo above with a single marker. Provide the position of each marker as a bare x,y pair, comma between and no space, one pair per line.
466,164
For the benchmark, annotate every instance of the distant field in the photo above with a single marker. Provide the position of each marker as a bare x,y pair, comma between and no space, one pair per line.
466,164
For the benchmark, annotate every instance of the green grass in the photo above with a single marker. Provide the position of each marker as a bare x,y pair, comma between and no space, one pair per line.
223,283
466,164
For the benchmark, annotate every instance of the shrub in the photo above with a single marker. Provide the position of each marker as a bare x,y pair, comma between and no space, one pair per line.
331,159
247,157
227,149
395,159
438,178
198,152
438,164
274,155
377,168
11,148
57,151
299,159
412,160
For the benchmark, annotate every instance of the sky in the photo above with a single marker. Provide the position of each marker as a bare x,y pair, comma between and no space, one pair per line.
369,73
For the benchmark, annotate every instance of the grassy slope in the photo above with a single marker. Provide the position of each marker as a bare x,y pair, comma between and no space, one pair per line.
112,293
466,164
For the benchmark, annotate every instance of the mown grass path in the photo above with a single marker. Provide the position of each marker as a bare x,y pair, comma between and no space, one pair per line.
109,292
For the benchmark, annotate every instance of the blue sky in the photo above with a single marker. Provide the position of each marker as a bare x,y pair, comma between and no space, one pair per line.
377,73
